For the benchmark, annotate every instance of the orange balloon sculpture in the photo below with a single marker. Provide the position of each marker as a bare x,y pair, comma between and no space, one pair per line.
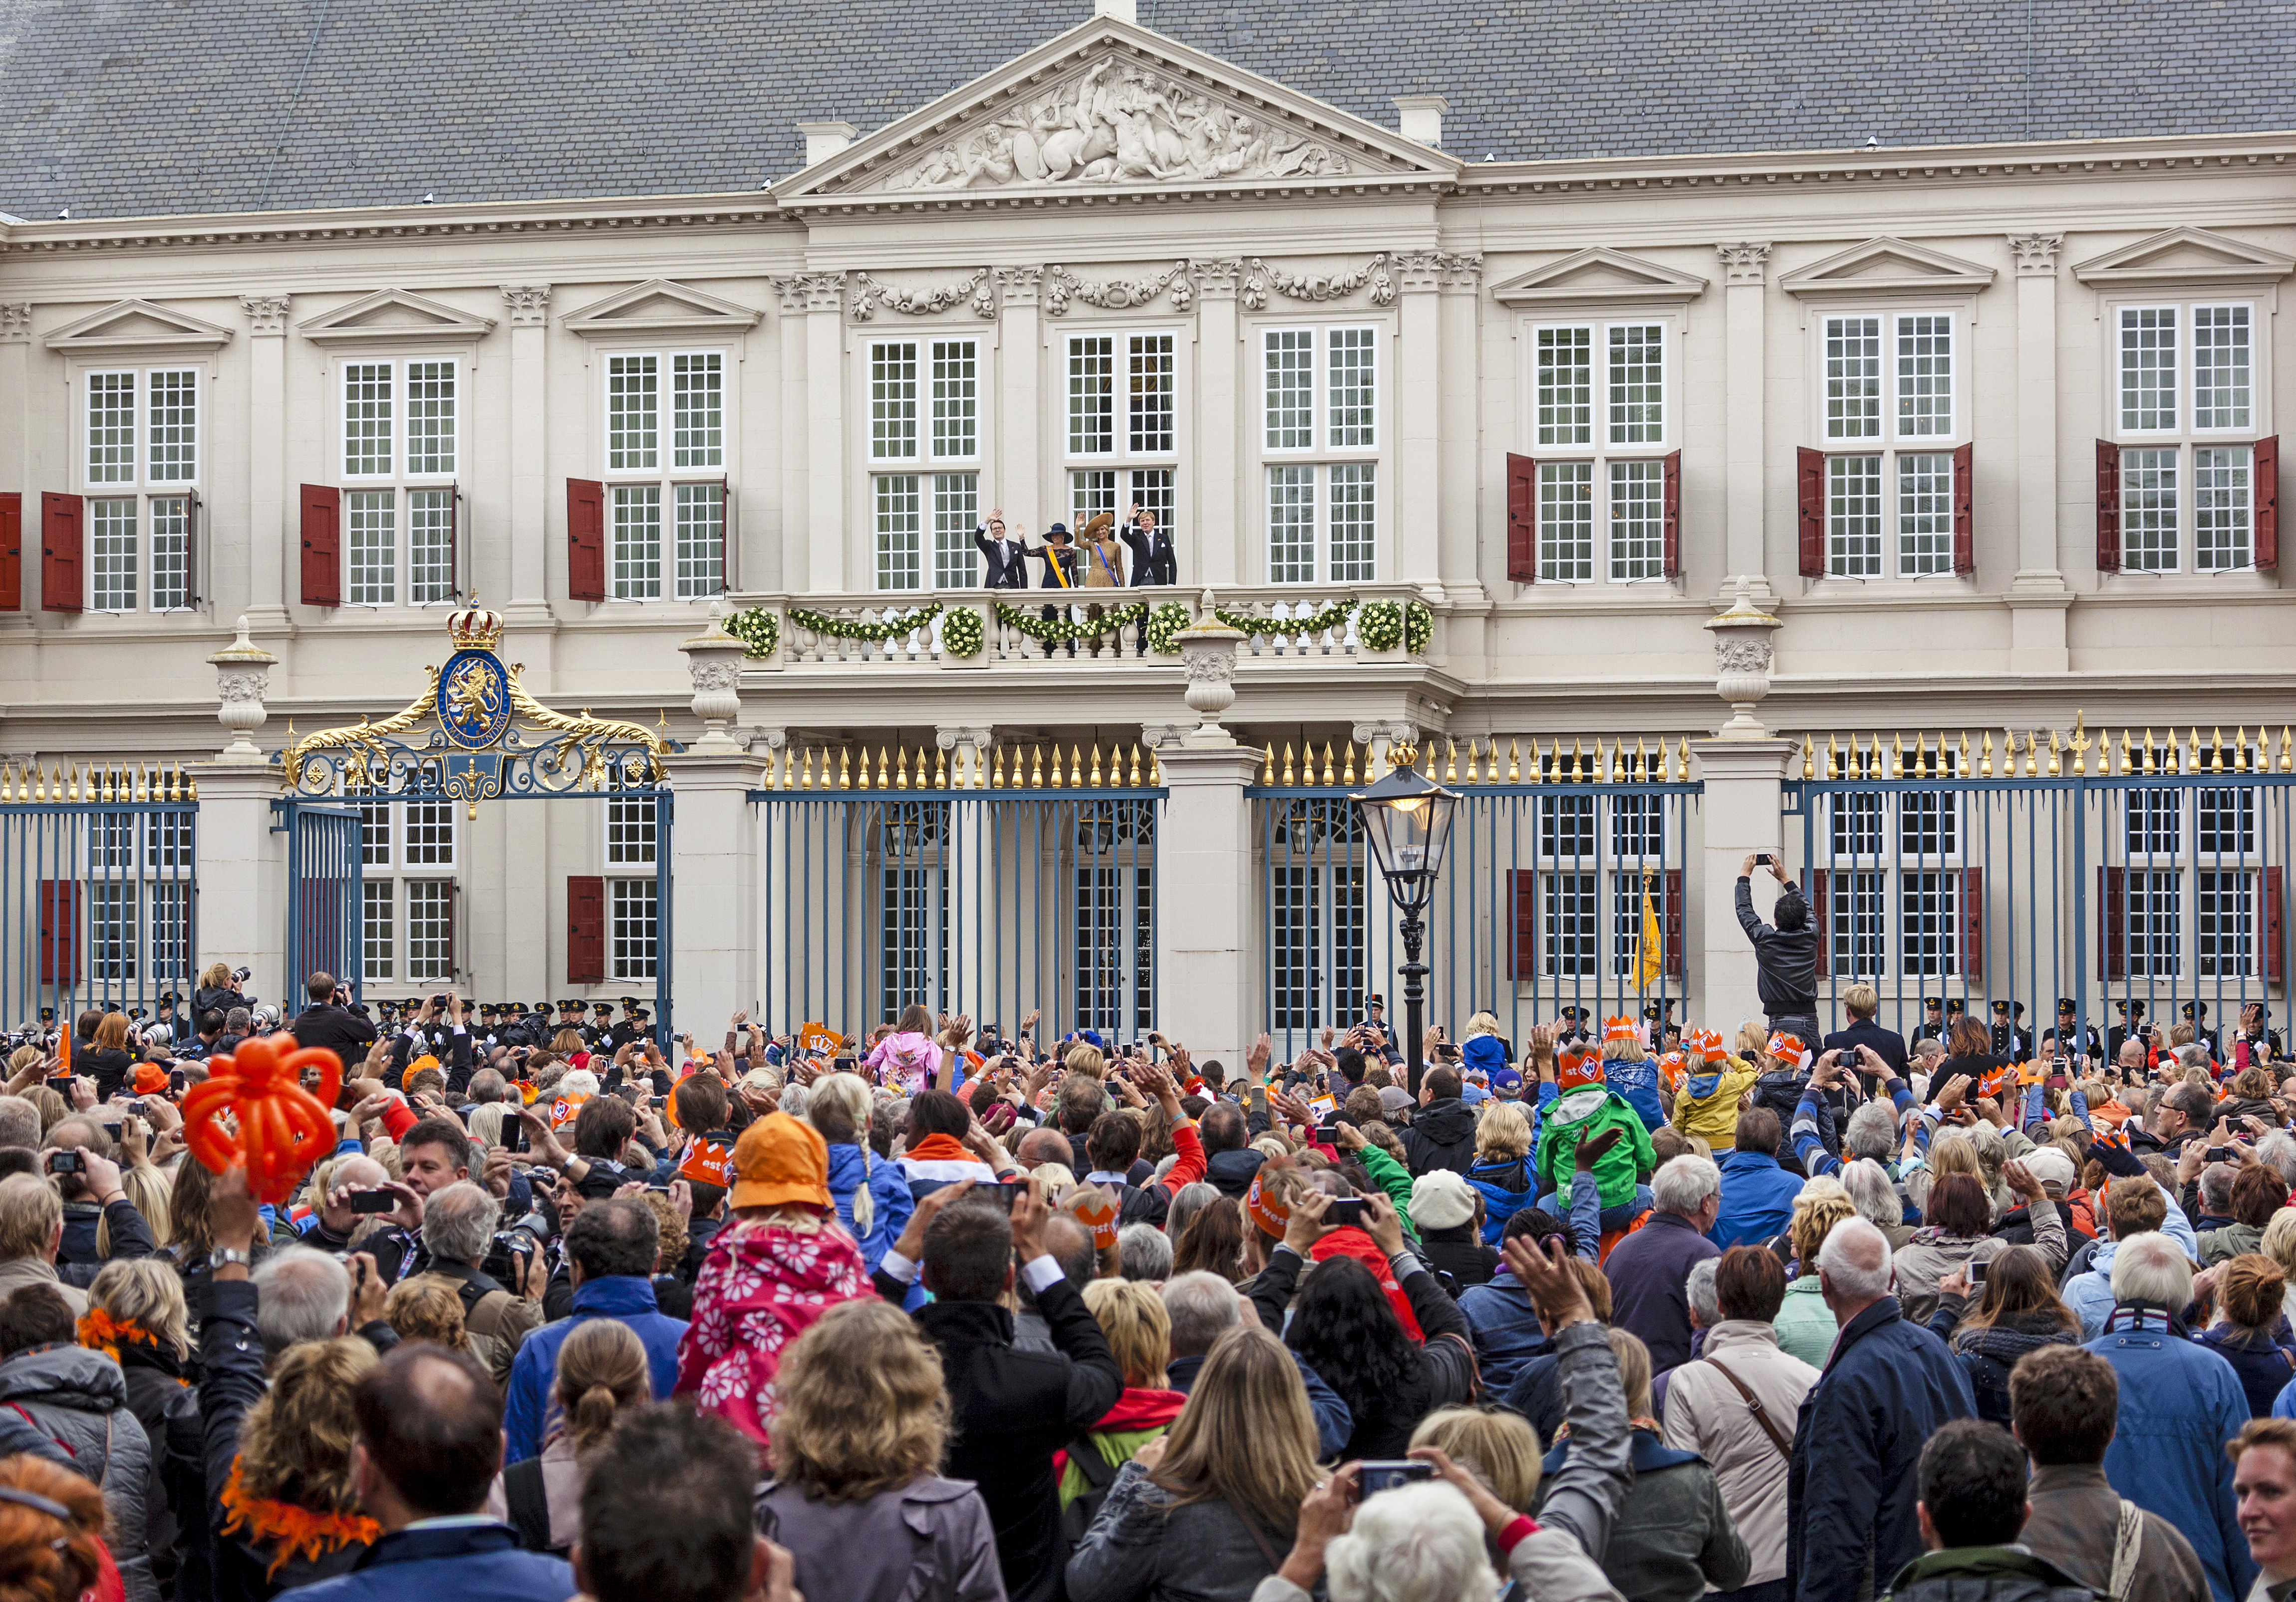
283,1129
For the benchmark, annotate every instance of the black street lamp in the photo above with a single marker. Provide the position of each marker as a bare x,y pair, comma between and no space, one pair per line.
1406,821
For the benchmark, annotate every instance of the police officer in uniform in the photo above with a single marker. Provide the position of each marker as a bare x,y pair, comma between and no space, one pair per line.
2132,1021
569,1016
640,1024
1574,1026
1932,1026
2011,1038
629,1031
2255,1028
2196,1013
179,1027
2075,1039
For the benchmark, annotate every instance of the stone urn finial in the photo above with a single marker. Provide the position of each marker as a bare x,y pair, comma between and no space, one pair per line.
242,674
1208,657
714,658
1742,659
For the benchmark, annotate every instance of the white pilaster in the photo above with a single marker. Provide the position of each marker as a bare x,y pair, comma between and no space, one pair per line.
713,867
15,434
269,588
2038,598
1418,417
242,906
528,605
1213,542
1745,269
827,536
1204,912
1019,365
1739,814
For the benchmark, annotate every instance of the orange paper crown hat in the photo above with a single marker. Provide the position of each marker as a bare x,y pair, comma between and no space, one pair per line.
1619,1029
1576,1066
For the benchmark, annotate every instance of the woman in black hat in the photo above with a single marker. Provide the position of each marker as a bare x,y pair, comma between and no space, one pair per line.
1060,558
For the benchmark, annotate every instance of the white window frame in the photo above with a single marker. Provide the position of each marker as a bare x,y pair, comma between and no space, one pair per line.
628,957
1557,463
946,488
386,865
1327,467
2184,442
405,488
2158,832
137,912
662,570
152,501
1151,477
1892,444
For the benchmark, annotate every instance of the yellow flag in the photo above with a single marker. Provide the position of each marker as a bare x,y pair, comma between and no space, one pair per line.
1650,959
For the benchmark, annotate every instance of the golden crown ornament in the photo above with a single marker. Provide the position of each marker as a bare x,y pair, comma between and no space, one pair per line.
475,628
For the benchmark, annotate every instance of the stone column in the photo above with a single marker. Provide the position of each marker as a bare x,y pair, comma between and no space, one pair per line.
1745,265
242,862
976,915
267,587
828,538
15,464
2038,598
713,861
1739,813
529,462
1418,414
790,340
1221,504
1018,486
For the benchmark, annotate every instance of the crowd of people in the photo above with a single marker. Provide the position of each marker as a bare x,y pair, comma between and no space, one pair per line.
1621,1312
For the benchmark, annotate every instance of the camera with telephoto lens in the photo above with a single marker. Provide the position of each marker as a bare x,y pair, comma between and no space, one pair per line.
525,1238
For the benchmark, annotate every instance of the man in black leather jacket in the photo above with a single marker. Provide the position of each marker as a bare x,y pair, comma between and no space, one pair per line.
329,1024
1785,955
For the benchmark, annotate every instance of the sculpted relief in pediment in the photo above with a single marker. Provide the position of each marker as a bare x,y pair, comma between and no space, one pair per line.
1121,123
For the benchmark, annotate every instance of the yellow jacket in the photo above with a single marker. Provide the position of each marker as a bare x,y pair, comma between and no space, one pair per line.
1714,1116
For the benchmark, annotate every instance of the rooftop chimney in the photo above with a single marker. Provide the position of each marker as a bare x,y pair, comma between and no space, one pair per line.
1123,11
823,140
1422,117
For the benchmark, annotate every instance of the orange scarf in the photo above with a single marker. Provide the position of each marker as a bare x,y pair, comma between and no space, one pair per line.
292,1532
99,1331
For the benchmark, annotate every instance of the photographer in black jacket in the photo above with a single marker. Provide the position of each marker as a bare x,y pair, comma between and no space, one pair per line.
329,1022
1785,956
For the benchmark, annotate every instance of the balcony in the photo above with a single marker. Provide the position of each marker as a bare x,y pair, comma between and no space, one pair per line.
1286,625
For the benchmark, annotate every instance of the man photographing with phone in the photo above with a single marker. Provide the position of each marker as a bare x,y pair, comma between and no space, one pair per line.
1785,952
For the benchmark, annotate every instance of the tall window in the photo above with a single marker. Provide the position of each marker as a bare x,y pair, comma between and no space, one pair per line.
401,429
1890,426
1115,887
139,897
408,891
2184,411
924,450
1599,433
1890,891
1320,437
1122,444
1315,868
2188,887
666,477
142,468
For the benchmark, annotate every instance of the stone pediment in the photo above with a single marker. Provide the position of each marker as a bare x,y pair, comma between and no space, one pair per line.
1111,106
390,314
2184,256
1888,267
128,325
659,306
1598,276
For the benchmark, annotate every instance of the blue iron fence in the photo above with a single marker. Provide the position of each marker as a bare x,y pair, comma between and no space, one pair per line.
100,907
2139,886
991,900
1559,858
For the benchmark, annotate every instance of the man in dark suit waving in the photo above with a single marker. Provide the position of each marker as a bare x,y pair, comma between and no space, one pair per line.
1006,554
1153,559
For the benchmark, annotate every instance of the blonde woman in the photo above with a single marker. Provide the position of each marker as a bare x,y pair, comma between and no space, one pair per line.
136,1317
283,1502
1497,1447
1806,1326
1501,1170
1139,1332
1207,1511
602,1371
856,1495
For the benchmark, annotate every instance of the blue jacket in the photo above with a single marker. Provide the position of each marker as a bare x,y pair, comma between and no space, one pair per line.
1505,1188
1757,1198
1484,1052
1638,1083
2179,1403
628,1298
1850,1488
891,1200
457,1563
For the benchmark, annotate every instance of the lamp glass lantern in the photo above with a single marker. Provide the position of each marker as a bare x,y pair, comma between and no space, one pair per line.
1406,823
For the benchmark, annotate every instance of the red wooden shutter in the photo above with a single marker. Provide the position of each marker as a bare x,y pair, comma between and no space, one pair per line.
1672,469
60,934
1669,914
2112,922
1523,941
2108,506
60,543
2275,961
1972,924
1809,475
323,564
1964,516
1523,520
586,928
586,539
12,551
1820,904
2267,504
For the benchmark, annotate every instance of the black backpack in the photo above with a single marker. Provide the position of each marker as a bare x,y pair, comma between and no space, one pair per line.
529,1506
1099,1475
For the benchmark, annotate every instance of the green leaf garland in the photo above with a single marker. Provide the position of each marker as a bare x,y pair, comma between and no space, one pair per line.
961,634
1164,626
757,627
1330,617
1058,630
850,629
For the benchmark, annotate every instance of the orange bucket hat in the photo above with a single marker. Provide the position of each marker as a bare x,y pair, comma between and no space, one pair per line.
781,1162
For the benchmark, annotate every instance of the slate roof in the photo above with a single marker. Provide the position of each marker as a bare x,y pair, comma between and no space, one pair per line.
145,107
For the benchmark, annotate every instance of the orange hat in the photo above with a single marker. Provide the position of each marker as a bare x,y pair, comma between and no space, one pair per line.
1576,1066
1783,1044
1095,1210
711,1160
425,1061
565,1110
150,1078
1674,1069
780,1162
1619,1029
1261,1206
1707,1043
